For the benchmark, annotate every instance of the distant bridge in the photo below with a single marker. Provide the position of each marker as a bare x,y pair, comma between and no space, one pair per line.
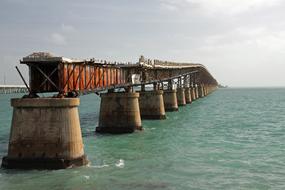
9,89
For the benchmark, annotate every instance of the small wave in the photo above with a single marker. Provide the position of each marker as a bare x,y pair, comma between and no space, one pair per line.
99,166
86,177
120,163
88,133
151,128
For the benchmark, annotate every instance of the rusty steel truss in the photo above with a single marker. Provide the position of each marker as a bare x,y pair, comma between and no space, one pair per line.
48,73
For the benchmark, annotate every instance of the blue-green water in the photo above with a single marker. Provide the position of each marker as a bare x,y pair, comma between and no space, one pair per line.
232,139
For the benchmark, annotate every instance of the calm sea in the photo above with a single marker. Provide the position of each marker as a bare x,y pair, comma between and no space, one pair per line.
233,139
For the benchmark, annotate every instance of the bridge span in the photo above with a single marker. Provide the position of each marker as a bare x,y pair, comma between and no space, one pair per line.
45,132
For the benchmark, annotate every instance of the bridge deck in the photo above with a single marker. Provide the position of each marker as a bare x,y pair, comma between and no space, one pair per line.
48,73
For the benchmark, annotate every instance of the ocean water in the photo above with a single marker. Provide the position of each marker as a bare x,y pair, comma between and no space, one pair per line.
232,139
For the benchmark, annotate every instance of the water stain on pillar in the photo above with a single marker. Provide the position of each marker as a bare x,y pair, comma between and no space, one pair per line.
152,105
170,100
181,97
119,113
45,134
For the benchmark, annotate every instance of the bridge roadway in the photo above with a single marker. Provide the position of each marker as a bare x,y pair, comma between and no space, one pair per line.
46,133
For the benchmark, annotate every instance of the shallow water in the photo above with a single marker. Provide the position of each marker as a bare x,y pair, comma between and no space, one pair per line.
232,139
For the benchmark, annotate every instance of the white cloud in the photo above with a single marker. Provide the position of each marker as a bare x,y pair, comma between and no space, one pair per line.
57,39
67,28
273,42
230,7
171,5
234,6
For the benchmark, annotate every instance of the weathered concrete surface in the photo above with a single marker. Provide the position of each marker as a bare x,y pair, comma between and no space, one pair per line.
188,97
193,93
181,97
197,92
205,90
170,100
45,134
119,113
152,105
201,91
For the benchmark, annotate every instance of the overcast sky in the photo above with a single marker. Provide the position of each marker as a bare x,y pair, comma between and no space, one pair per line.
241,42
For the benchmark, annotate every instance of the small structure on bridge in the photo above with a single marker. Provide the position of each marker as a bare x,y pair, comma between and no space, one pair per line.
45,132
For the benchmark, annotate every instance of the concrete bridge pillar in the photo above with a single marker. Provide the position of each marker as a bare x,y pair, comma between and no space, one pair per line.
119,113
201,90
206,90
180,93
170,98
193,93
152,105
188,96
210,89
181,96
45,134
197,91
187,81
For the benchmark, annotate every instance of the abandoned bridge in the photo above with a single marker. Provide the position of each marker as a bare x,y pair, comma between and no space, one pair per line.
46,133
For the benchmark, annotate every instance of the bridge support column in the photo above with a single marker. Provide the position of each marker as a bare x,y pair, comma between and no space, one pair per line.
45,134
201,91
119,113
181,96
212,88
170,100
197,92
209,89
193,93
206,90
152,105
188,97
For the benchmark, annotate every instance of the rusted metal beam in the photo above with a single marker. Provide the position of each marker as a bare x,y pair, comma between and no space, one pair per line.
23,80
93,75
46,77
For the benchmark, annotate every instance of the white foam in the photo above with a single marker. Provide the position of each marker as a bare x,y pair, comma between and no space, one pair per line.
86,177
120,163
99,166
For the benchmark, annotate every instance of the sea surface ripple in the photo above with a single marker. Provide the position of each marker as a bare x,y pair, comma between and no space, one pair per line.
232,139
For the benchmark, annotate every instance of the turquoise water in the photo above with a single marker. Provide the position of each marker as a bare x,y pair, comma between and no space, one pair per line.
232,139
